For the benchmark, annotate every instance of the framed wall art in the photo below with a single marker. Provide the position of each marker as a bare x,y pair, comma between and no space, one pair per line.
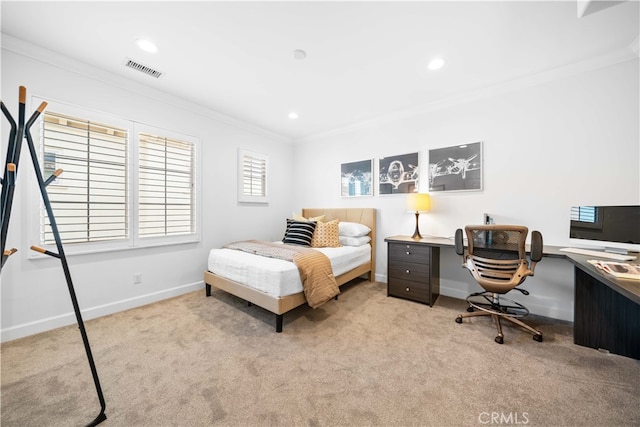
399,174
356,178
457,168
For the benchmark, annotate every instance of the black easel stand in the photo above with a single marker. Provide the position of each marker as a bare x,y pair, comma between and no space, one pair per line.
19,132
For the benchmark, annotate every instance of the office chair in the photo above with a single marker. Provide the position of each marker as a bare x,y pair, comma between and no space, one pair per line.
496,258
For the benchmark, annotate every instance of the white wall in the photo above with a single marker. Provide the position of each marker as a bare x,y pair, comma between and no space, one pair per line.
34,292
563,142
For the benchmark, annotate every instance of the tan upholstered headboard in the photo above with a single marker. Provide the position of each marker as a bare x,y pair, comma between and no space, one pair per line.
366,216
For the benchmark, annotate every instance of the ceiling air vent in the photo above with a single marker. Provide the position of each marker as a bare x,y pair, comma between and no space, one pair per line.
142,68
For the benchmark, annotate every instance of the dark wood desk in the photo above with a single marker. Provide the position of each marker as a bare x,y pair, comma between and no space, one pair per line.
606,312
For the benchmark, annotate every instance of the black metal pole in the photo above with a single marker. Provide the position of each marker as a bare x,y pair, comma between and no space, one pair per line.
65,266
11,169
9,161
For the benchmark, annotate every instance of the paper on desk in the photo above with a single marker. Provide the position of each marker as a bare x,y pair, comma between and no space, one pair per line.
621,270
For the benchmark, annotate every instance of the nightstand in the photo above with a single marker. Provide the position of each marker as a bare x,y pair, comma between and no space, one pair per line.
413,269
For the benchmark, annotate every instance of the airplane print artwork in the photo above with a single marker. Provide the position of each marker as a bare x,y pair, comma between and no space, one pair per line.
356,178
399,174
457,168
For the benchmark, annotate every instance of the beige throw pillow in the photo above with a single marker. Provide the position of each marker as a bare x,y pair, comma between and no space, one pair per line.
299,217
326,235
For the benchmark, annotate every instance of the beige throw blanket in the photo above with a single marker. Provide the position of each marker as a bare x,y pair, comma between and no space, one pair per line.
317,278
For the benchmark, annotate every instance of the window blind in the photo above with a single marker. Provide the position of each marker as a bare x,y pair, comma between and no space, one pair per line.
254,175
584,214
166,190
90,198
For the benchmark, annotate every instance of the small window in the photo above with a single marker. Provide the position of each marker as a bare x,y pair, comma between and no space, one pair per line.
252,177
583,214
586,217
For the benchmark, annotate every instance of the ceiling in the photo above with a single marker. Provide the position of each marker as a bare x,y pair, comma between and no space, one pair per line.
365,60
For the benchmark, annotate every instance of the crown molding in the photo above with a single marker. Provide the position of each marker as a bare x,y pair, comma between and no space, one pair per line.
58,60
612,58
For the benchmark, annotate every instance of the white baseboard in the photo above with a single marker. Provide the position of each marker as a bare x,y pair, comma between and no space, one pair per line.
31,328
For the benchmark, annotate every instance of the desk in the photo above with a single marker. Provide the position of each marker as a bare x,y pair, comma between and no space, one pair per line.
606,311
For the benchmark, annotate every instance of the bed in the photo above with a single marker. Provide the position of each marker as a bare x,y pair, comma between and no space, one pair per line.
288,296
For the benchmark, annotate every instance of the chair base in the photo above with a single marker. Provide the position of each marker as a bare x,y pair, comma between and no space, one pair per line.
490,304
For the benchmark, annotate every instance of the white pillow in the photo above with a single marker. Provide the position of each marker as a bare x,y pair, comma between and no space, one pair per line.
354,241
352,229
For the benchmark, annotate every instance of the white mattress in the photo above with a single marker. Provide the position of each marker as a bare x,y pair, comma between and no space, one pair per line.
277,277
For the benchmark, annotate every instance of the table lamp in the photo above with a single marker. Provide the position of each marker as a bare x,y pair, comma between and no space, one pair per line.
418,202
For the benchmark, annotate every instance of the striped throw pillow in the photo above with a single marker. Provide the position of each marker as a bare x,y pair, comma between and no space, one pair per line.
299,232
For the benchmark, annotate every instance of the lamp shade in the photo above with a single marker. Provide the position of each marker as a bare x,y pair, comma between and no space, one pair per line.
418,202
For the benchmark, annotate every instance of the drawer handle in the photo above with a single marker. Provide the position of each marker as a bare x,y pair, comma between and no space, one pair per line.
408,272
408,253
408,289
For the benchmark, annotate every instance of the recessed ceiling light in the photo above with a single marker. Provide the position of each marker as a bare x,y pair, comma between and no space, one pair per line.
293,115
147,45
435,64
299,54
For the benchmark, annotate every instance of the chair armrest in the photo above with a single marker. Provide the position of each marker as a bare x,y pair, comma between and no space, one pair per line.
536,246
459,240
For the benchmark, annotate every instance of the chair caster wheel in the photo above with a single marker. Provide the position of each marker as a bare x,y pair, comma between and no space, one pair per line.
537,337
470,309
499,339
458,319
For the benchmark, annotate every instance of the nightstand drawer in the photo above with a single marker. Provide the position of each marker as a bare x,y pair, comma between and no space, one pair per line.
409,290
408,252
409,271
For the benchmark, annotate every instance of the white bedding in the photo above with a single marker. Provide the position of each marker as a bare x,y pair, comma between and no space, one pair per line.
277,277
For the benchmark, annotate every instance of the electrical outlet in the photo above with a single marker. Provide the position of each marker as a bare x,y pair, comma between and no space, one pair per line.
137,278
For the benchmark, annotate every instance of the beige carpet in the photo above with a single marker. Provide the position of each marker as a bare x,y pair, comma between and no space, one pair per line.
364,360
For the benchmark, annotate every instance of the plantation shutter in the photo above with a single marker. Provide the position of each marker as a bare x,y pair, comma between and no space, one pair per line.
166,193
89,199
252,177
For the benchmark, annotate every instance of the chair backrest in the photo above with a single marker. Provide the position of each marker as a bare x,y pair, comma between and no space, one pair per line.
497,241
496,255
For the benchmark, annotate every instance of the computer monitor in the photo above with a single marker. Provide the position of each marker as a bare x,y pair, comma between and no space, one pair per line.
613,228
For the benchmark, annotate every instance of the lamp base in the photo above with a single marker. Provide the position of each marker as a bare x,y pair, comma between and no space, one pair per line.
416,234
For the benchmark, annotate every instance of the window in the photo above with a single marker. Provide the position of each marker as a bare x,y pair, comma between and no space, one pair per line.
585,217
583,214
252,177
124,184
165,186
90,201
